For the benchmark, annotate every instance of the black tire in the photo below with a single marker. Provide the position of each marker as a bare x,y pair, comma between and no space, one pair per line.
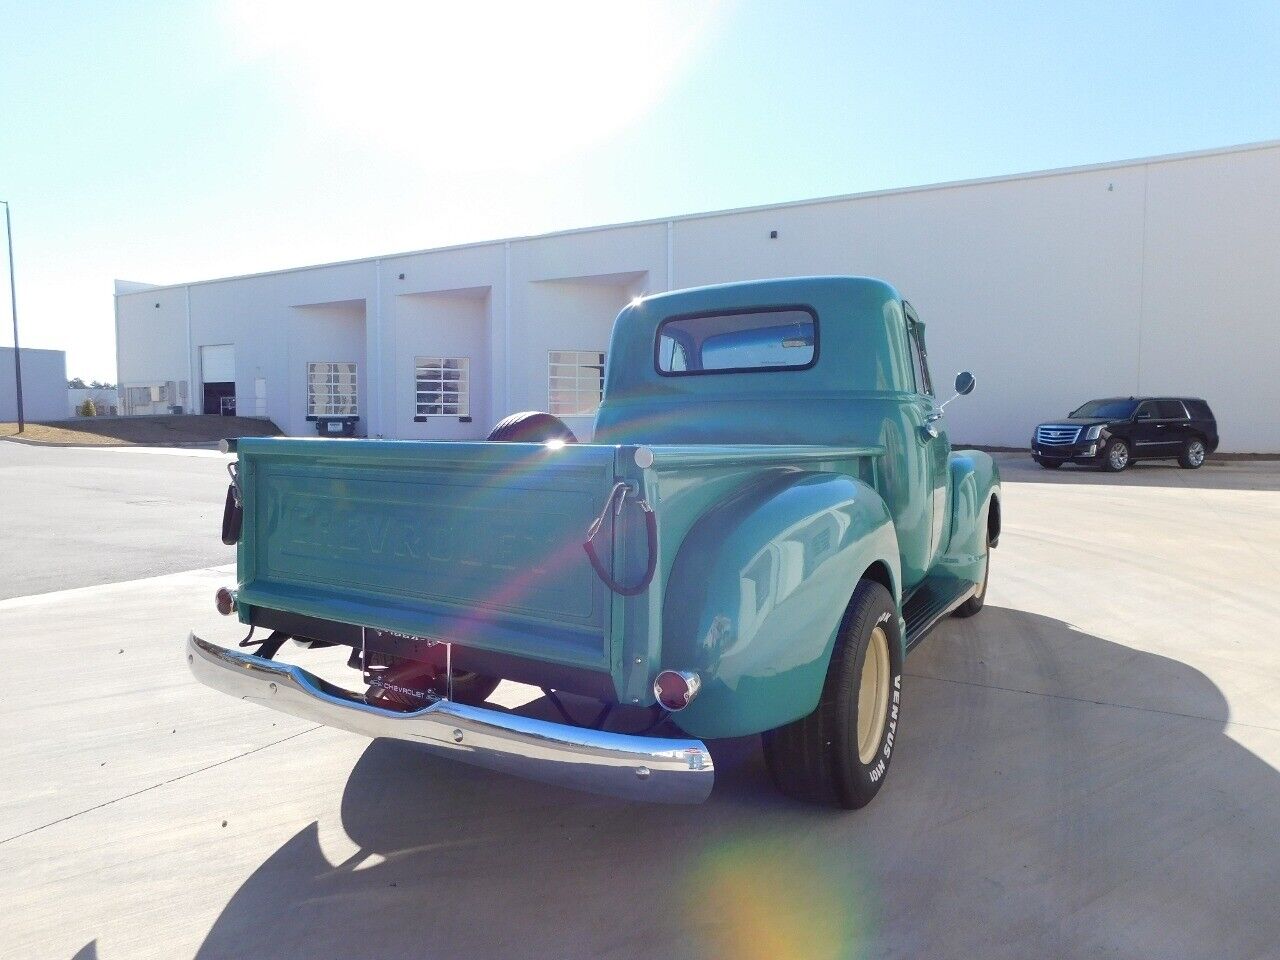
1050,464
974,603
531,426
1193,454
816,758
1117,456
472,688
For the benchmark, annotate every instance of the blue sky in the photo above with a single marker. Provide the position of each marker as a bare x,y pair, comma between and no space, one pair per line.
179,141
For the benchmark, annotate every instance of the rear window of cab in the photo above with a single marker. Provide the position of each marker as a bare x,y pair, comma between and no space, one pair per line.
737,341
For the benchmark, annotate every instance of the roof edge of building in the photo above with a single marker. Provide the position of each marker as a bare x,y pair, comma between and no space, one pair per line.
710,214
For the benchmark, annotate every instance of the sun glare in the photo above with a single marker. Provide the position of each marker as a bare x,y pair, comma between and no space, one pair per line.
478,84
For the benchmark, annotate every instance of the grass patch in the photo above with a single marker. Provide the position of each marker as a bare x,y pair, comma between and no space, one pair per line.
161,431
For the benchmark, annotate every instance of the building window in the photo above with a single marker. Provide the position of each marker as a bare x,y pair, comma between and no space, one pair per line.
575,382
442,385
331,390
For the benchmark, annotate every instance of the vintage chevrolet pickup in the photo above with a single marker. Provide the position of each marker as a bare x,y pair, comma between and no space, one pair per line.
768,519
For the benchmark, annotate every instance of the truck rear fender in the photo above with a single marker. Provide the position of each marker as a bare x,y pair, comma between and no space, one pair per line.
975,513
758,590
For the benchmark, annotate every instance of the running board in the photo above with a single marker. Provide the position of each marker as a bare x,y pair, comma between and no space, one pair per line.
930,603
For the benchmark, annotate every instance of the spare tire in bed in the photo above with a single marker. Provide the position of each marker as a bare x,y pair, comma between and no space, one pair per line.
531,426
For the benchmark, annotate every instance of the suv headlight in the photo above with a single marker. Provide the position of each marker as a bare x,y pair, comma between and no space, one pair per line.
1094,432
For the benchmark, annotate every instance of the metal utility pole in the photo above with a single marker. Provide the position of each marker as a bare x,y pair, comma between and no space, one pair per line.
13,300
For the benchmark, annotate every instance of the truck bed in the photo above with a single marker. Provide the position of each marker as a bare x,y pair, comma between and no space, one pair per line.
481,543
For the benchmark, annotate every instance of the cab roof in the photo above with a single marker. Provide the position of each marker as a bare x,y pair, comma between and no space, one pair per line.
771,291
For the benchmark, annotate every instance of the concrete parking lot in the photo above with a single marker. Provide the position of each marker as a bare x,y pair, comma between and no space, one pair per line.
80,516
1089,768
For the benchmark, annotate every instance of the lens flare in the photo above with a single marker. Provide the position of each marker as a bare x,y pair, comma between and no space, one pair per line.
765,899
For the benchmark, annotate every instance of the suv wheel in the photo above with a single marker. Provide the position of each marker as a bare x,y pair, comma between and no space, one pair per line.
1117,456
1193,454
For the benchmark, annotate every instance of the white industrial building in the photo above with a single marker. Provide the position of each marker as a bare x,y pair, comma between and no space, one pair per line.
44,385
1150,276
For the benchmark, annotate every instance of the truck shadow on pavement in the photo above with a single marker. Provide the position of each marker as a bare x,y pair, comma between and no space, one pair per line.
1052,794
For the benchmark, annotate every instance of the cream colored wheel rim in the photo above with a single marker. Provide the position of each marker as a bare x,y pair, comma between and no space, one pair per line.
986,569
873,695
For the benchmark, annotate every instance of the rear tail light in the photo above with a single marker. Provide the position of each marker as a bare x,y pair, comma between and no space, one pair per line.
675,689
225,601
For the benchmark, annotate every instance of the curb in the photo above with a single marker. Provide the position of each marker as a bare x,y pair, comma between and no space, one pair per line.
203,445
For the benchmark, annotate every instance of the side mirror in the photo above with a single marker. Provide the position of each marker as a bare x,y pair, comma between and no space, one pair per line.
1143,415
965,382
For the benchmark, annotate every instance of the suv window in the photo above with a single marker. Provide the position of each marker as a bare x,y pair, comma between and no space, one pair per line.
1111,409
919,361
1199,409
1147,411
1170,410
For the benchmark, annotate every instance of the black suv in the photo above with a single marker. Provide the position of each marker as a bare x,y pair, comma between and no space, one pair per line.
1113,433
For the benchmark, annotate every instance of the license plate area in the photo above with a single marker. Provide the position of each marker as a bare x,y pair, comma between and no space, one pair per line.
406,670
403,645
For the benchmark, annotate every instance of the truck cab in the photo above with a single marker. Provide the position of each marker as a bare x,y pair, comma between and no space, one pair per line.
769,517
813,361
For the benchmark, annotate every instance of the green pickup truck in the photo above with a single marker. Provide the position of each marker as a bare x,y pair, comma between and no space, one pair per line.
769,517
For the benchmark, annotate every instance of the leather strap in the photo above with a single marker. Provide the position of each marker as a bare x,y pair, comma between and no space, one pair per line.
618,495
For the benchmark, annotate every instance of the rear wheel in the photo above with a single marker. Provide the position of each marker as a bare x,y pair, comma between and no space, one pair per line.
841,751
1117,456
1193,454
531,426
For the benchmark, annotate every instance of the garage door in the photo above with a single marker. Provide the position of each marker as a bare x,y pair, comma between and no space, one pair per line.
218,363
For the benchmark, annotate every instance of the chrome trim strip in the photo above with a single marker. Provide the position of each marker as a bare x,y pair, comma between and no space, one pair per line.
635,768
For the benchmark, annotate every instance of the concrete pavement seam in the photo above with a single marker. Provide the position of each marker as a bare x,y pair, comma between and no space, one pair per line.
157,786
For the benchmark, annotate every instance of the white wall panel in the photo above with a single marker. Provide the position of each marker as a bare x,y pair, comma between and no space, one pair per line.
1147,277
1211,303
451,323
44,385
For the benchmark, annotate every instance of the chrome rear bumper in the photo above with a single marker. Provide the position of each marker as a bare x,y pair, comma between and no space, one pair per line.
635,768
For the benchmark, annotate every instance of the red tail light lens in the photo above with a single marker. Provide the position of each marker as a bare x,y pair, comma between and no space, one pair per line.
225,601
675,689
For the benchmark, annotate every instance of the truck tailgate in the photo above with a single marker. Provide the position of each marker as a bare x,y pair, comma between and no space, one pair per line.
478,543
